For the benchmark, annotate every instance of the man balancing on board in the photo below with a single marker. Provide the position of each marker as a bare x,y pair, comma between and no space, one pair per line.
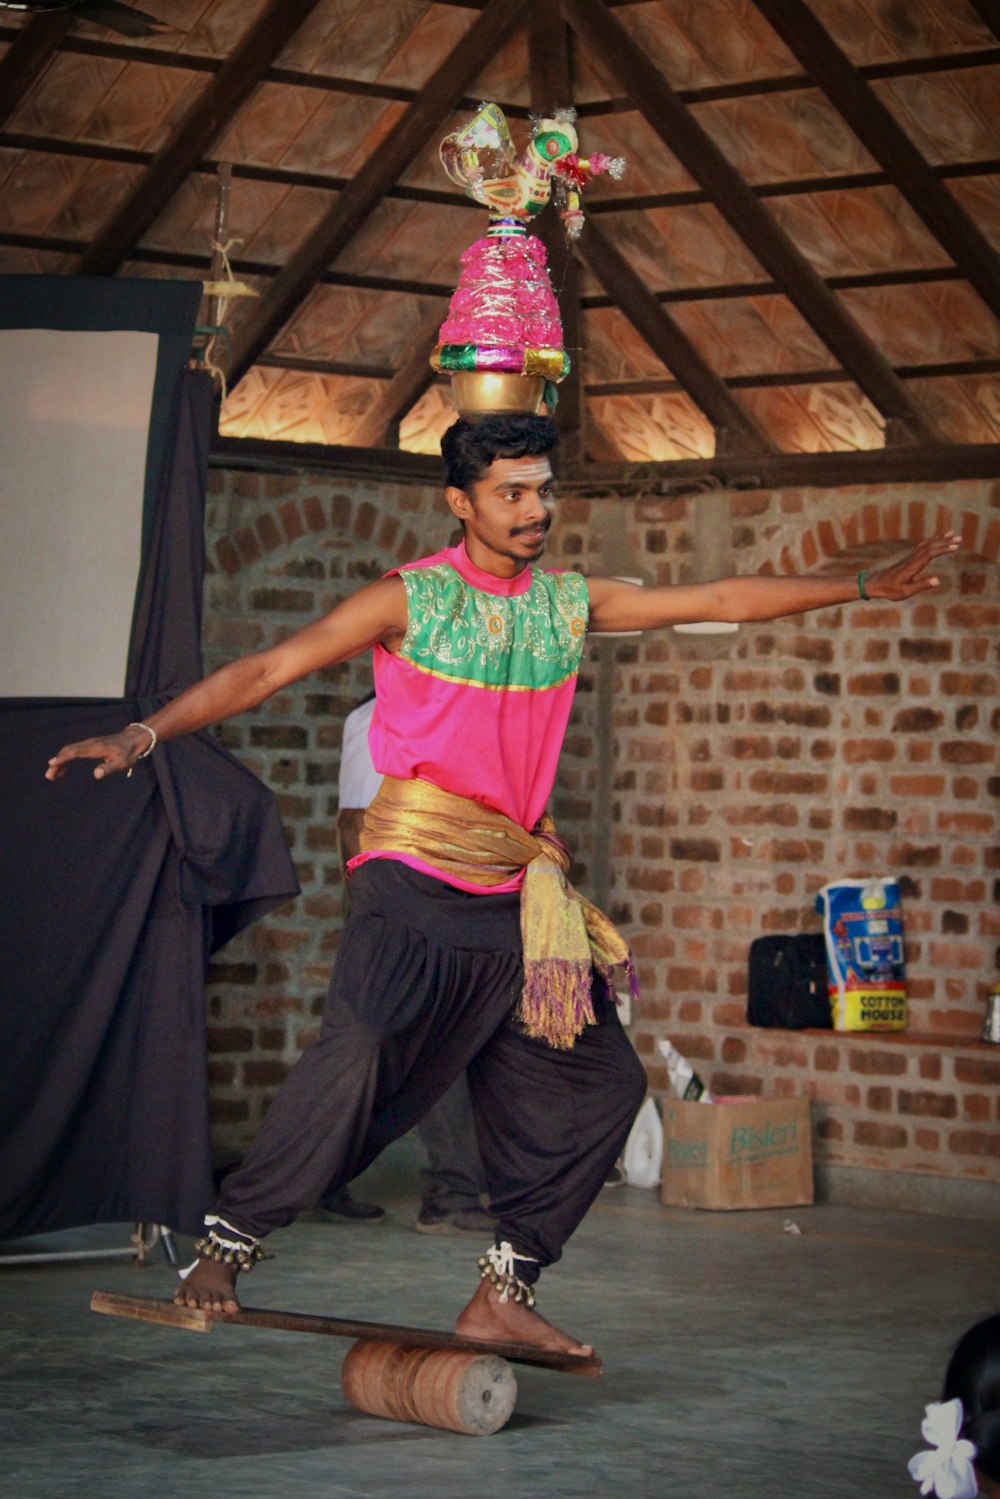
465,948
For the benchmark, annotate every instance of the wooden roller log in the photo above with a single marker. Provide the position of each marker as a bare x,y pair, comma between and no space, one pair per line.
472,1393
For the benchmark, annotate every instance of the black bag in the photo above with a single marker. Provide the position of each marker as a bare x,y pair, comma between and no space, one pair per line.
788,982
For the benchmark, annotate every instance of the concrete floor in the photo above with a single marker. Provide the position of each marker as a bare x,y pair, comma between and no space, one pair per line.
739,1360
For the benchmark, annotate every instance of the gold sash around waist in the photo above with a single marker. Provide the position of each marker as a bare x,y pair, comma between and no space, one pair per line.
563,934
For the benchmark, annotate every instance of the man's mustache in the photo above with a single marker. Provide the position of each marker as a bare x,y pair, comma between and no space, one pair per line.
542,525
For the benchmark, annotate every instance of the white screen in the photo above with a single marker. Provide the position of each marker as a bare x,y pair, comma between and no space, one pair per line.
74,422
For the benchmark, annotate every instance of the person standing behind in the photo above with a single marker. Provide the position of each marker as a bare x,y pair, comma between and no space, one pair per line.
454,1184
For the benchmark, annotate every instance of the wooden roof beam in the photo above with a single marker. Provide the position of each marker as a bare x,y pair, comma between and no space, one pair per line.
880,133
207,117
27,57
380,172
709,393
605,38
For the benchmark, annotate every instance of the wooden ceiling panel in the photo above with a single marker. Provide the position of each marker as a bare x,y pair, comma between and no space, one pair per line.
220,26
294,407
980,197
926,324
683,247
778,137
857,232
965,408
698,43
142,106
615,351
949,116
655,429
879,31
63,100
818,418
505,76
753,335
425,424
435,34
187,224
413,241
352,38
349,323
649,168
291,219
307,131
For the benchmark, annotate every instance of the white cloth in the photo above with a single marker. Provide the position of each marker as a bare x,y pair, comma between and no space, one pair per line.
359,780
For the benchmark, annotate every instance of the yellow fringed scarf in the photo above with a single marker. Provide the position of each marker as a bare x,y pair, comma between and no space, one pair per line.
563,934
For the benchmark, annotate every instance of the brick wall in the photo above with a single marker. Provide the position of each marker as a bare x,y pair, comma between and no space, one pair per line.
710,785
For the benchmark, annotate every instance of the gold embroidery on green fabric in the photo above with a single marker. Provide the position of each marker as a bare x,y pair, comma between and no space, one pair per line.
528,641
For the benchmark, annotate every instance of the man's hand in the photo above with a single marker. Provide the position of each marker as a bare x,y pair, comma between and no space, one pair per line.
903,579
116,752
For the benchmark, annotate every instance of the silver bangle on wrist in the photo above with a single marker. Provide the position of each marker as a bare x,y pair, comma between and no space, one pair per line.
148,750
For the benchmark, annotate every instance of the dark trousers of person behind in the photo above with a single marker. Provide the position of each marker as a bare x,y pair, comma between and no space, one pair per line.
425,986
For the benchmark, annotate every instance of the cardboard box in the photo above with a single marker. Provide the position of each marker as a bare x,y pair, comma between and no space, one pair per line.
754,1153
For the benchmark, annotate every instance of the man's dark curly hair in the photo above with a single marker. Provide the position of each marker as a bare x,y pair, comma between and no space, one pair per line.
468,448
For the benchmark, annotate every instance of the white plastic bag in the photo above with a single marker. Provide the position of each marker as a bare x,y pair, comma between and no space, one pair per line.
643,1154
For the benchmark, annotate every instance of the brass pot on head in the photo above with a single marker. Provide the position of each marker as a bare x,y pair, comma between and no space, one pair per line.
482,392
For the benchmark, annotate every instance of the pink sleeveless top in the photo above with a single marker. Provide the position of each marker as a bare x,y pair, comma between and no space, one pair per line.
478,697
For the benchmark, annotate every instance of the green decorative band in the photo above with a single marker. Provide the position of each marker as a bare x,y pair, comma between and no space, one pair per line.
861,586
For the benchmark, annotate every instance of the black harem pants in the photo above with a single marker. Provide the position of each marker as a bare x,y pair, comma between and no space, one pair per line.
425,985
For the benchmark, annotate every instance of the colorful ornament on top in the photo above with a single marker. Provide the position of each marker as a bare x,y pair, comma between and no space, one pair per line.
503,319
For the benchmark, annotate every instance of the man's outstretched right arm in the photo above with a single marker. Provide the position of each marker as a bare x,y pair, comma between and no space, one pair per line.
374,615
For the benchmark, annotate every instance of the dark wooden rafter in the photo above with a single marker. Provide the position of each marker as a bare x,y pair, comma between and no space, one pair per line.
591,301
28,55
383,168
670,343
328,182
882,136
936,463
208,116
943,370
404,389
335,83
551,88
606,38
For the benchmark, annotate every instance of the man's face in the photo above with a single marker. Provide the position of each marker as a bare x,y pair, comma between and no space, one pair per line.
507,514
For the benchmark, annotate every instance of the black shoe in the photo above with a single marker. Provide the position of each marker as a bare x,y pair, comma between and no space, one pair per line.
343,1208
467,1222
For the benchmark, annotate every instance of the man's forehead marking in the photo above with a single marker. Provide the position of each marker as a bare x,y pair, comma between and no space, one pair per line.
539,469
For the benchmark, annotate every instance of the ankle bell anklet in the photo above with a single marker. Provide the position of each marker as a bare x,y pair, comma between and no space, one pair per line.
497,1266
243,1252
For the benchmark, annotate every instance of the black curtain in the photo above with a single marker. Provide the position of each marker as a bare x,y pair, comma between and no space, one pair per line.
114,894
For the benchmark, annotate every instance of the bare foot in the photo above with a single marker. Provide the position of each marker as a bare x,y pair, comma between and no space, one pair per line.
495,1321
209,1288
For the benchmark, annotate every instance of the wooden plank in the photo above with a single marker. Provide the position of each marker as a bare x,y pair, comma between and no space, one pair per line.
383,168
605,38
549,75
207,117
27,57
150,1309
883,137
668,341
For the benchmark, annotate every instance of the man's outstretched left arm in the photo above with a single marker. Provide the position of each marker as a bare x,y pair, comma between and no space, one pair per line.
615,605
